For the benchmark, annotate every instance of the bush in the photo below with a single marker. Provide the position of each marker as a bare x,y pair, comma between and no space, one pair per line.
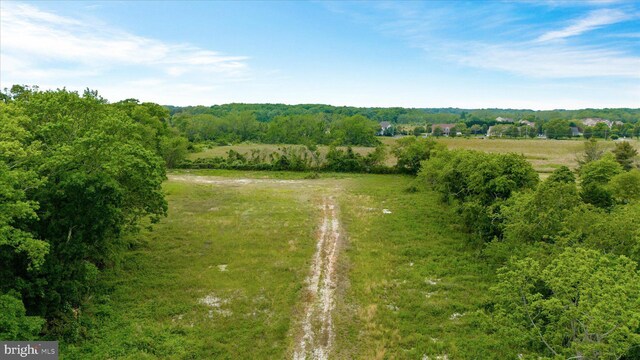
14,323
411,151
479,183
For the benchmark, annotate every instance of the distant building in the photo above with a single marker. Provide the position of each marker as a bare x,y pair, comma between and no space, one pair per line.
384,126
504,120
575,131
596,121
446,128
528,123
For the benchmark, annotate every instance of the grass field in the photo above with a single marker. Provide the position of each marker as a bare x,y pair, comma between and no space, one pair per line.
219,278
414,284
544,155
223,276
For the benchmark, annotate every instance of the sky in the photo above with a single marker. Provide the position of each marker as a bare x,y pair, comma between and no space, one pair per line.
554,54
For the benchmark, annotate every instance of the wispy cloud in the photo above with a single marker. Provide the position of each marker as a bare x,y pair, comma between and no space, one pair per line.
556,61
594,20
502,41
39,46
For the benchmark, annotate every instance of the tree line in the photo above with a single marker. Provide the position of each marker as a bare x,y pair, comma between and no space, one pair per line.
324,125
315,129
398,115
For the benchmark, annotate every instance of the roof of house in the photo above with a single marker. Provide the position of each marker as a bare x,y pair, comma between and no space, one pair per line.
501,119
594,121
528,123
443,126
385,124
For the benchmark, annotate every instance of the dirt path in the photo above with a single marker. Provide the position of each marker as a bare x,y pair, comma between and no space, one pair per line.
316,334
218,180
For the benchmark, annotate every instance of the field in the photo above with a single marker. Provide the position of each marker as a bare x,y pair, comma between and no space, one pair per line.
275,265
250,265
544,155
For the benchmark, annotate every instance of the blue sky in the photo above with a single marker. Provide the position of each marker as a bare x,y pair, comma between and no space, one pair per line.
471,54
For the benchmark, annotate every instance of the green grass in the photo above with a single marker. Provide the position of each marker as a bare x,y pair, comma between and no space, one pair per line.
403,276
408,273
265,236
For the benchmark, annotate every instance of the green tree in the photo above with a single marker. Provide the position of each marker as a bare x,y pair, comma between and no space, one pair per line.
600,171
557,129
539,215
563,175
17,146
355,130
625,154
625,187
101,174
476,129
592,152
479,183
594,177
410,152
582,305
173,149
601,130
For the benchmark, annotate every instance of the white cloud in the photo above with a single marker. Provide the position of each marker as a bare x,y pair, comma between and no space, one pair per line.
552,61
40,47
594,20
537,58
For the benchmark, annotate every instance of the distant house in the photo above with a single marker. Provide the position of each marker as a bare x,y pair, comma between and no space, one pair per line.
384,126
528,123
504,120
446,128
575,131
596,121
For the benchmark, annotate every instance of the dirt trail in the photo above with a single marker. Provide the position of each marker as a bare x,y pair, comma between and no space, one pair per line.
218,180
316,333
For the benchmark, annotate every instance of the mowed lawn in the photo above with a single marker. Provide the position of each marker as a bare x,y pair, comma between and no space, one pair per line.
219,278
223,275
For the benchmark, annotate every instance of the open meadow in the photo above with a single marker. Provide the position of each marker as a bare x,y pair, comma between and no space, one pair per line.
246,261
544,155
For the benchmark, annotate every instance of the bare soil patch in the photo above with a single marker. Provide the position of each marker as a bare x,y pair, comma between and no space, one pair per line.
316,334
